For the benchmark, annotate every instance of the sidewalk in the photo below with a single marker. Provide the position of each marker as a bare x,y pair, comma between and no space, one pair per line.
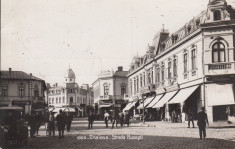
165,124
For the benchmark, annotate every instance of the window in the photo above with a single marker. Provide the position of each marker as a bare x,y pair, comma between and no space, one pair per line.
60,100
217,15
158,75
144,78
63,100
149,77
4,91
131,87
52,101
21,90
175,67
141,79
36,91
134,85
193,59
137,83
123,90
152,76
49,100
185,62
163,73
56,100
169,69
106,89
71,99
218,52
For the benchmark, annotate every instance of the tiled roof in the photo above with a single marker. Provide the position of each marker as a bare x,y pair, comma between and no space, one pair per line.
17,75
121,73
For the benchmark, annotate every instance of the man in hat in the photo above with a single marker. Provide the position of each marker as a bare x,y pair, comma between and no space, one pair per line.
61,120
202,120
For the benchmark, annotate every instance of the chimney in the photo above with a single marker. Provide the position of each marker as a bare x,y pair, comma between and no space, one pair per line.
30,74
120,68
56,84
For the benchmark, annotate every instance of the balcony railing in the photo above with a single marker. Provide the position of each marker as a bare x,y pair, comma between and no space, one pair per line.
219,66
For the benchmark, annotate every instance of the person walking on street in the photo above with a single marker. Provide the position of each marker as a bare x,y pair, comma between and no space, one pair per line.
51,124
61,124
202,120
190,118
32,124
69,120
121,118
91,118
106,118
115,118
127,118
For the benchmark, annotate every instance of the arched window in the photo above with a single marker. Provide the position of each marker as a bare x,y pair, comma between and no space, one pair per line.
217,15
218,52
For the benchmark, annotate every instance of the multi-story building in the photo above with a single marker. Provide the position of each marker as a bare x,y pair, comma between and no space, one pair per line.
191,68
18,88
69,95
110,90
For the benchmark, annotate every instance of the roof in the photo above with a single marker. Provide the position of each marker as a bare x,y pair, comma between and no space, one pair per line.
69,73
121,73
17,75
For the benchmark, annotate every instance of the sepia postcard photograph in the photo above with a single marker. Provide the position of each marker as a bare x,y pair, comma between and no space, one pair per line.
128,74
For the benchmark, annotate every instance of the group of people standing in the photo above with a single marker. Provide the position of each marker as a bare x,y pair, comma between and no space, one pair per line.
115,118
50,121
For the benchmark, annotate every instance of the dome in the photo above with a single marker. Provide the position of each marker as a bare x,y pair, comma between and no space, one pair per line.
217,2
69,74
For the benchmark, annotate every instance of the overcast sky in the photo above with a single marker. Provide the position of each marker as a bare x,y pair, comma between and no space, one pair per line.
44,37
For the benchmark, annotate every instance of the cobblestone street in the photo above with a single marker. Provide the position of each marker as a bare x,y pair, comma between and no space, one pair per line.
163,135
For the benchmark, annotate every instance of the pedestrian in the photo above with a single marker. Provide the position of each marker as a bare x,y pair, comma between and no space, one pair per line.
91,118
190,118
106,118
38,121
115,118
121,118
51,124
69,120
32,124
61,123
127,118
202,120
173,116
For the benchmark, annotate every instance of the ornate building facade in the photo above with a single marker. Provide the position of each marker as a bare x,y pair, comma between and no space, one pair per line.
191,68
18,88
110,90
70,95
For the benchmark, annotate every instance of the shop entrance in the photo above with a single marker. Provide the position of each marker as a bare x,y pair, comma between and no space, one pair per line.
219,113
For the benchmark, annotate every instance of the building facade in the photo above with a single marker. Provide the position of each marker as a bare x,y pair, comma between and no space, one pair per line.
191,68
18,88
70,95
110,90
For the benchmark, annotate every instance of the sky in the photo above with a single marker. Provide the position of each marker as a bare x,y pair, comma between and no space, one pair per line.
47,37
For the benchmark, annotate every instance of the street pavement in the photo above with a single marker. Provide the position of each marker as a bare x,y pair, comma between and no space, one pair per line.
160,135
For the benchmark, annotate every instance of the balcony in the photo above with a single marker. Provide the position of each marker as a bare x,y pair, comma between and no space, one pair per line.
220,68
106,97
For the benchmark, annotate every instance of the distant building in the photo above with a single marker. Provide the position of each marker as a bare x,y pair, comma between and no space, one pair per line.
191,68
70,95
110,90
18,88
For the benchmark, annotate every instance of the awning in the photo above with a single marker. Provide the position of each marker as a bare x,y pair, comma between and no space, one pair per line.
146,102
129,106
164,99
155,100
182,95
220,94
68,109
105,106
